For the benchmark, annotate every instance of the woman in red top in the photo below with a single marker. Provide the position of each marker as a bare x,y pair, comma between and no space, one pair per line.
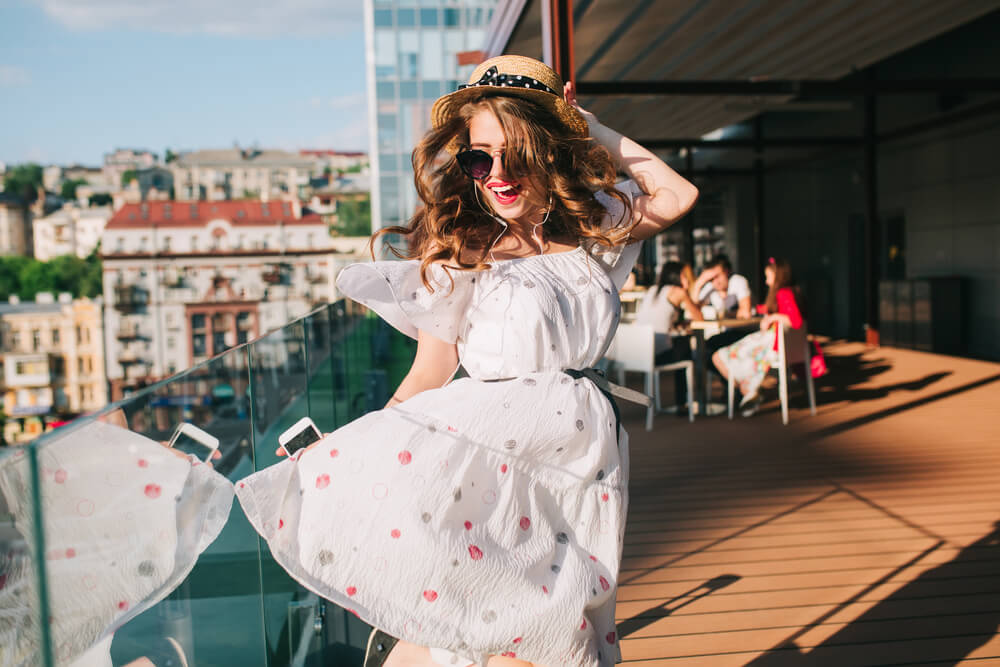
749,359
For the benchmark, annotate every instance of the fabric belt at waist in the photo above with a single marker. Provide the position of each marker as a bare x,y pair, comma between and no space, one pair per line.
597,377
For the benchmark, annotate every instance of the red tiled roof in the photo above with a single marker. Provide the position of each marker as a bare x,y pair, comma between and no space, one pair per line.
200,213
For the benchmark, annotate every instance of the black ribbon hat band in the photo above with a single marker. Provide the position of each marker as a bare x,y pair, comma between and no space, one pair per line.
491,77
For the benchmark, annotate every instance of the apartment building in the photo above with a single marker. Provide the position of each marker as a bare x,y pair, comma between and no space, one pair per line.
184,281
15,225
72,230
51,351
242,173
120,160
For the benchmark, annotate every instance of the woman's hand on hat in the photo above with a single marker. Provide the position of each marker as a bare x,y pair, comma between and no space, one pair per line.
569,92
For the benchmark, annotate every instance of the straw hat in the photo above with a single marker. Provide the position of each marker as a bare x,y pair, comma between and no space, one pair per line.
513,76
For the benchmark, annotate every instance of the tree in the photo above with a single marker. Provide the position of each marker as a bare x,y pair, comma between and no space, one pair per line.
68,189
128,176
169,156
354,217
24,180
10,274
26,277
100,199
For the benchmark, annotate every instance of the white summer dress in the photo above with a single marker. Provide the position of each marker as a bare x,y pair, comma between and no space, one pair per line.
484,517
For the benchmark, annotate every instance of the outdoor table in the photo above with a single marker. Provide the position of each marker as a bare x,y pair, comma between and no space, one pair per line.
698,330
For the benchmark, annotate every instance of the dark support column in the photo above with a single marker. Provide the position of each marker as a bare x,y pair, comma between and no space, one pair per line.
758,223
871,220
561,25
689,219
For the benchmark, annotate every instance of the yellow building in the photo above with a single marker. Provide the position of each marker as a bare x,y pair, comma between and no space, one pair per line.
51,362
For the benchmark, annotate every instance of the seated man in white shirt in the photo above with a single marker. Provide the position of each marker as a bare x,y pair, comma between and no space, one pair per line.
728,295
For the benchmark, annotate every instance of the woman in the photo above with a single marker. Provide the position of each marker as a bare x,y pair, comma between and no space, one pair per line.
484,516
749,359
663,306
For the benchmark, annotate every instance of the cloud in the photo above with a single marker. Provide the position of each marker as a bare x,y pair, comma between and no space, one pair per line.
349,136
349,101
242,18
14,75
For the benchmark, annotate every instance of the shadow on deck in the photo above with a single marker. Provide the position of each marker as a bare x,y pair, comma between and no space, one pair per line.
867,535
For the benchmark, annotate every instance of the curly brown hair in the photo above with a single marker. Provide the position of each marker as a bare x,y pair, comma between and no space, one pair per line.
453,228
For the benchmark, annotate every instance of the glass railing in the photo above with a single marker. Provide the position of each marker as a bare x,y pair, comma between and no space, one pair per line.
114,548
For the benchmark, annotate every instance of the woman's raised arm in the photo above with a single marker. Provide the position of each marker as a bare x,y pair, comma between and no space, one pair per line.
668,195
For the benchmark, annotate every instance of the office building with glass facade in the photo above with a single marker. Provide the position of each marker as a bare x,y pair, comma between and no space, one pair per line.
412,55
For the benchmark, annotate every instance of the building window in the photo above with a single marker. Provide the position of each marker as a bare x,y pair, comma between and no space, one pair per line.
198,322
79,365
79,335
171,342
166,244
428,18
55,336
198,345
194,244
142,243
383,18
120,244
218,341
406,18
36,340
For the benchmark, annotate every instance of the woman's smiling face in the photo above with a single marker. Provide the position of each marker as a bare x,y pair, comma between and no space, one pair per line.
512,197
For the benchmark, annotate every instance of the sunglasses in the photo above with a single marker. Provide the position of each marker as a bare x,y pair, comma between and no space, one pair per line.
476,164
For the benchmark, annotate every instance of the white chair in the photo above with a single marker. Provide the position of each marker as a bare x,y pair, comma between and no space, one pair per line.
634,349
793,348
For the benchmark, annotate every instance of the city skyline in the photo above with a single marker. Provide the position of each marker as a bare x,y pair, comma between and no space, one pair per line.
88,77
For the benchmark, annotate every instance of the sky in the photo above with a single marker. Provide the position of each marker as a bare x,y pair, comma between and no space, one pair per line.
79,78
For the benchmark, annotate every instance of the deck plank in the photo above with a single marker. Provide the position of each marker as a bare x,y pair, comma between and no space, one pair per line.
867,535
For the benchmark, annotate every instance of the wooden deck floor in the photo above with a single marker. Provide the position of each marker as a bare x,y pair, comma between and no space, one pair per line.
867,535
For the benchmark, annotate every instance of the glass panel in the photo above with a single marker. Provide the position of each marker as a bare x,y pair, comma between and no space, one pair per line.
26,636
429,18
150,542
452,17
406,18
383,18
147,540
408,90
385,49
431,55
279,398
319,379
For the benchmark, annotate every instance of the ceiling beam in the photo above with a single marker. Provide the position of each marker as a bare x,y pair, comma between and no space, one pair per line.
789,87
785,142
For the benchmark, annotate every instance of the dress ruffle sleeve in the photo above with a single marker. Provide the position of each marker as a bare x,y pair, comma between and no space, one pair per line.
394,290
617,260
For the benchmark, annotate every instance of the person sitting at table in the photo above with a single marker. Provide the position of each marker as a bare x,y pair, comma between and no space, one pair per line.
749,359
727,293
662,307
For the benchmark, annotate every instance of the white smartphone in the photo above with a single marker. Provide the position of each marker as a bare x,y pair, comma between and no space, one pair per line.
190,439
301,434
